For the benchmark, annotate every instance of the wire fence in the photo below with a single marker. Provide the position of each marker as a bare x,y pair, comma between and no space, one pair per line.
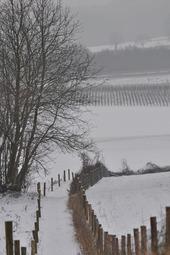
14,247
144,240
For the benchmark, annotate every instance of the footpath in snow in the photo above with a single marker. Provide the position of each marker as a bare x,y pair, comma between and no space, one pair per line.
56,236
56,227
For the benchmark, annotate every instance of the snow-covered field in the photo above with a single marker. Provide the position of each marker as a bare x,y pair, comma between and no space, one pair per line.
139,80
124,203
133,79
137,134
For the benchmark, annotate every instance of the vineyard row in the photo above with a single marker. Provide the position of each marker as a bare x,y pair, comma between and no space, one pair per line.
140,95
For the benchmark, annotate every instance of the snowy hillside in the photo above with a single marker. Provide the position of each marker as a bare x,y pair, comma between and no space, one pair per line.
124,203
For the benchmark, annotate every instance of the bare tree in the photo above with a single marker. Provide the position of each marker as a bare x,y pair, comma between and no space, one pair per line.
41,73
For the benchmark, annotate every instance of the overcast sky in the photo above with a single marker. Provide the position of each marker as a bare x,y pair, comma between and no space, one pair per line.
106,21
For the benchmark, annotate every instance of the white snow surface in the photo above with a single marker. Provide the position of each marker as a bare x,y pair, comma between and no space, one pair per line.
137,134
56,234
21,210
137,79
57,231
124,203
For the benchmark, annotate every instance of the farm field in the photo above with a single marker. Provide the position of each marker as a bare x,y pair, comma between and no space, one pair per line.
136,79
137,134
124,95
124,203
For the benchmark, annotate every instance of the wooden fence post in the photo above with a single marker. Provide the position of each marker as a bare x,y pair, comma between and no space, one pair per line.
33,247
117,252
84,202
35,235
37,219
94,224
59,183
44,189
17,247
97,229
92,221
98,238
72,175
113,245
110,244
86,210
35,241
101,240
168,229
9,237
36,232
154,236
143,240
69,175
90,215
129,244
39,207
123,245
105,242
64,176
39,190
23,250
136,239
52,184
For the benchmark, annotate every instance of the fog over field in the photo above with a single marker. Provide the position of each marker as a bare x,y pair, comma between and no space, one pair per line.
105,21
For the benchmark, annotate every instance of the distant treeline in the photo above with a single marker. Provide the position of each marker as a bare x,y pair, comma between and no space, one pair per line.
133,59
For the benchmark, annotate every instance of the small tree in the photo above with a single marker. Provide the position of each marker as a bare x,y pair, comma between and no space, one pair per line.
125,167
41,72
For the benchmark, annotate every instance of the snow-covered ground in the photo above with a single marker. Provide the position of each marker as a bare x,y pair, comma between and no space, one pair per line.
21,210
139,80
137,134
124,203
133,80
57,232
56,228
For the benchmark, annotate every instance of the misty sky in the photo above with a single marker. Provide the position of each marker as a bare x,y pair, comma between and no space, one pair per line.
107,21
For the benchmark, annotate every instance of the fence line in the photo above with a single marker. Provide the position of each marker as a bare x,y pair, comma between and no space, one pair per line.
13,247
107,244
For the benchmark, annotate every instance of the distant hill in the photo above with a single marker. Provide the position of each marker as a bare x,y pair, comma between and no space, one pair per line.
150,43
146,56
